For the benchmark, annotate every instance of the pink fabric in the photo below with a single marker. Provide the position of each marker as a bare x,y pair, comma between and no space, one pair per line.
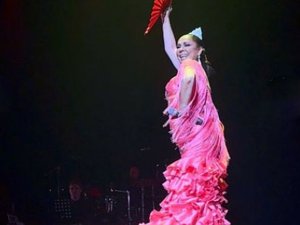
195,182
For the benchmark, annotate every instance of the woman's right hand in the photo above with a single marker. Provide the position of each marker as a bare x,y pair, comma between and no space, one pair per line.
168,10
166,13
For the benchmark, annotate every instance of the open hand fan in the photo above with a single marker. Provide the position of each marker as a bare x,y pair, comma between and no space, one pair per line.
159,6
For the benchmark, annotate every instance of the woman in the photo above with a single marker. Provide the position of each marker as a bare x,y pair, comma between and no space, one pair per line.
195,182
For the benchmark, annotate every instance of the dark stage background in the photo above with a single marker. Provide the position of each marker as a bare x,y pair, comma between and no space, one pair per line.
82,93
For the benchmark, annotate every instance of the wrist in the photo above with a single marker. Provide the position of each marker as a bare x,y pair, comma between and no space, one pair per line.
165,21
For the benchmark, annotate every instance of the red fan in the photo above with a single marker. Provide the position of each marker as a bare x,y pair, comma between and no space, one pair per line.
159,6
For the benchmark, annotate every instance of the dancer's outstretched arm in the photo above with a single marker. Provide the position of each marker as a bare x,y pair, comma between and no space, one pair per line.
169,39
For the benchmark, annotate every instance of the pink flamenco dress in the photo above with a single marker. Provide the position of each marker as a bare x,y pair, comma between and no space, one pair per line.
195,183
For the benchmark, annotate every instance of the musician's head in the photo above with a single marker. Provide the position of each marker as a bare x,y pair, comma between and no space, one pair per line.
75,190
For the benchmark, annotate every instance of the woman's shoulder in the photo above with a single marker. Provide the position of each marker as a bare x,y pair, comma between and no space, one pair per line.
189,65
189,62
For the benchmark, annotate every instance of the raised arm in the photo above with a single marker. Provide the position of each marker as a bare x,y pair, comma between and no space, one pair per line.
169,39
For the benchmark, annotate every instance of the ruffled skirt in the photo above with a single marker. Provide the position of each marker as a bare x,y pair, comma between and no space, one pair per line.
195,194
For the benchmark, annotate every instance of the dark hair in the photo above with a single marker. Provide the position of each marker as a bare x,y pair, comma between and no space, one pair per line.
207,66
76,181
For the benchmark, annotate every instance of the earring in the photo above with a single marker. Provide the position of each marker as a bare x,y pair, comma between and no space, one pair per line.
198,58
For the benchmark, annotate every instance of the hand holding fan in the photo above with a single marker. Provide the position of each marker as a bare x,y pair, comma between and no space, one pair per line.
159,7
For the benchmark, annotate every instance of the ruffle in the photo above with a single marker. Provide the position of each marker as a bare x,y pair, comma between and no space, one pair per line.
195,194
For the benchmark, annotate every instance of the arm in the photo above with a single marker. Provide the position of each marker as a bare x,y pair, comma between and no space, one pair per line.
169,39
186,87
181,98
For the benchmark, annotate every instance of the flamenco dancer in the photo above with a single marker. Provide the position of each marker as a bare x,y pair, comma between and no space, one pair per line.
195,183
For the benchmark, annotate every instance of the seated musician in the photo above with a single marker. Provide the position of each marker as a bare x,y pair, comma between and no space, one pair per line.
82,209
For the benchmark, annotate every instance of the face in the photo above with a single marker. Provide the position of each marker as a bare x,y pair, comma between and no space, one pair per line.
75,192
187,48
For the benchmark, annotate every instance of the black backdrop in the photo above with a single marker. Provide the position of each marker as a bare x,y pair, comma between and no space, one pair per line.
82,91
